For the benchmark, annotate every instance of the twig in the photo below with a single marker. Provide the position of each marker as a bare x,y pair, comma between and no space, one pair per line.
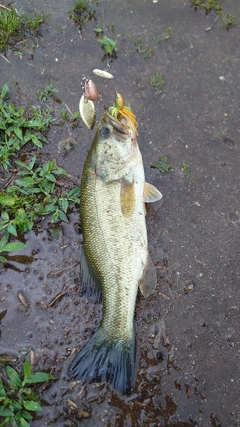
68,109
5,58
56,298
4,7
54,273
200,262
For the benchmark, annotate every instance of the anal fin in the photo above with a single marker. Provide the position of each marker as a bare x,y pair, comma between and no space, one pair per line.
148,281
91,283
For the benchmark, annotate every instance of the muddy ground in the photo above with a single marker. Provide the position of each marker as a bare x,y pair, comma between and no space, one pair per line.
188,331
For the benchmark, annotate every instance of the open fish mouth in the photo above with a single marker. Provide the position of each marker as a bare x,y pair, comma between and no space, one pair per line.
119,126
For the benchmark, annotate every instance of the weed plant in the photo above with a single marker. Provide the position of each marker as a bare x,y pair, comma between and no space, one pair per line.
109,45
46,93
12,23
157,81
83,12
18,126
144,51
34,191
215,5
18,400
163,164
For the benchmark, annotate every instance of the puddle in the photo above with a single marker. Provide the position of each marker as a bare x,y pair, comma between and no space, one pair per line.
188,331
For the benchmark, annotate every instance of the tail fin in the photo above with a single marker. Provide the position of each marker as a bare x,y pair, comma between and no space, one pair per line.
102,359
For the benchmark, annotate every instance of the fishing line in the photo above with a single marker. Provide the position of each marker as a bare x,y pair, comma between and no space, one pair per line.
103,22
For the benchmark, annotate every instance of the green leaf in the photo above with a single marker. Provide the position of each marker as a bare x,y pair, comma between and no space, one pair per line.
12,247
25,182
18,132
14,376
54,217
32,163
73,193
98,30
2,259
30,405
38,377
36,141
7,200
59,171
4,412
2,390
4,241
63,203
26,415
27,368
62,215
5,216
12,229
24,165
4,91
24,423
51,177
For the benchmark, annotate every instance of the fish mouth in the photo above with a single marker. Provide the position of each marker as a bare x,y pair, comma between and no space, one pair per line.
119,126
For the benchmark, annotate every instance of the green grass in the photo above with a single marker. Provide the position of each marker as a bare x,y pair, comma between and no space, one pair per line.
216,6
185,169
19,126
13,23
18,400
46,93
34,191
163,36
144,51
83,11
157,81
163,164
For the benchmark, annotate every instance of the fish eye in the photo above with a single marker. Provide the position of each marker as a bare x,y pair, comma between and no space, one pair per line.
105,132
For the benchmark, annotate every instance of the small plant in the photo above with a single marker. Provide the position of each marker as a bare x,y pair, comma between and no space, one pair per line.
163,165
164,36
33,23
108,45
157,81
12,23
215,5
9,247
19,126
46,93
98,30
35,194
82,12
18,400
144,52
185,169
228,20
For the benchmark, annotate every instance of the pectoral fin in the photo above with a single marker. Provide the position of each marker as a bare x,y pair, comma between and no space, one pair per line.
151,193
148,282
128,200
91,283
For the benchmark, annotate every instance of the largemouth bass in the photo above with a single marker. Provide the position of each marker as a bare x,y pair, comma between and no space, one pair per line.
115,258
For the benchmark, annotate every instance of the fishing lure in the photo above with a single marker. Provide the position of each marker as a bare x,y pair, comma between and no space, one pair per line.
119,109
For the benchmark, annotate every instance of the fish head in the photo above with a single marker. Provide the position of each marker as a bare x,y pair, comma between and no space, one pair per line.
115,151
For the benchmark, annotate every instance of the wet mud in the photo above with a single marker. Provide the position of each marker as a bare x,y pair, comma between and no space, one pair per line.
188,331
